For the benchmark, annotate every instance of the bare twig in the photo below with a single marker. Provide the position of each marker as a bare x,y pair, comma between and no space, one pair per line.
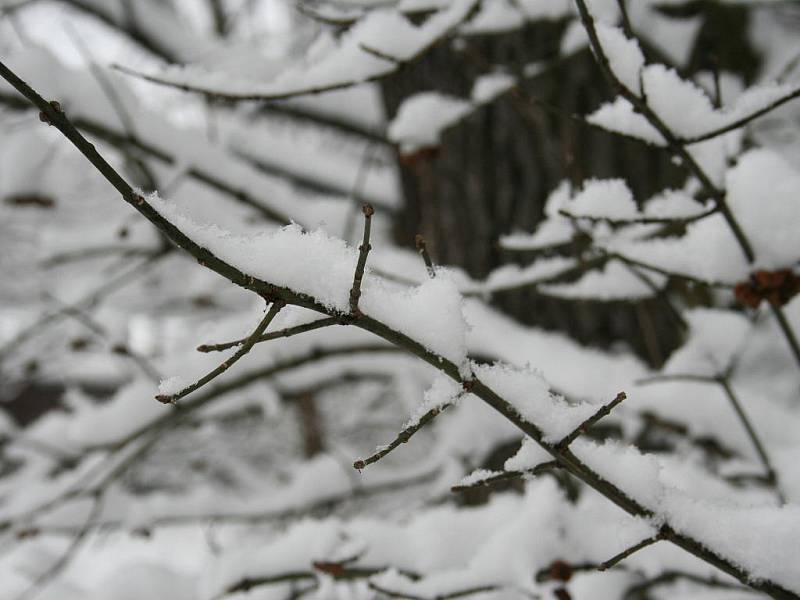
604,566
273,335
422,248
277,305
402,437
363,252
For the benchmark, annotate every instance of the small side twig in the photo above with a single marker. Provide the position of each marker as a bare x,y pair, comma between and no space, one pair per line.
604,566
422,248
273,335
363,251
277,305
402,437
604,411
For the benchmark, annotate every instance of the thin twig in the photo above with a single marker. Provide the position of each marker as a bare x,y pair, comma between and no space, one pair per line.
604,411
277,305
403,436
604,566
363,251
422,248
274,335
772,477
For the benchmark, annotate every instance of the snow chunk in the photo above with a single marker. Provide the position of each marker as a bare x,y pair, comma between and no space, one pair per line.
494,17
619,116
610,198
624,55
477,476
171,385
488,87
430,314
527,457
762,193
443,391
423,117
634,473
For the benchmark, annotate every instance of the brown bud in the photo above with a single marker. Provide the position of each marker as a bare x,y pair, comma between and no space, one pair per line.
368,210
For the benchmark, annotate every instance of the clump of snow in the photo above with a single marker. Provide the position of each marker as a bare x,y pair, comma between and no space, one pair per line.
442,393
477,476
423,117
527,457
610,198
769,216
494,17
488,87
171,385
624,55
